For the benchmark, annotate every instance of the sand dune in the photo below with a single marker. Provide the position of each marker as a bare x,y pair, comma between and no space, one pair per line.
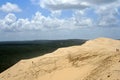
97,59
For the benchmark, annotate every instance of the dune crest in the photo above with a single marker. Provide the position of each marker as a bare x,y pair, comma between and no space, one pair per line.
97,59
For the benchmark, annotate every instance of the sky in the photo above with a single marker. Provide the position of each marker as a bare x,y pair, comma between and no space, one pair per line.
59,19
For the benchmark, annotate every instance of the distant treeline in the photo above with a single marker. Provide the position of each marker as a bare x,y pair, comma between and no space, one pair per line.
13,51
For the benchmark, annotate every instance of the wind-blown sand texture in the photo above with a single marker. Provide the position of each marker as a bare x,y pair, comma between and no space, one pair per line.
97,59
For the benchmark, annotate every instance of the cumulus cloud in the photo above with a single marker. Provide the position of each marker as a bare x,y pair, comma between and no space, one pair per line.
72,4
40,22
108,14
63,4
9,7
81,20
109,21
10,18
7,21
100,1
56,13
107,10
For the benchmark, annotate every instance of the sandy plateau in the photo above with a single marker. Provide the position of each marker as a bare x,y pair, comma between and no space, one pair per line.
97,59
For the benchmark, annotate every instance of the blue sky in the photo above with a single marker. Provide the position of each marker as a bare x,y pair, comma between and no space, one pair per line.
59,19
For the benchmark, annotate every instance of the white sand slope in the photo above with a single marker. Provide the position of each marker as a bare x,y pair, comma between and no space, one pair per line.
97,59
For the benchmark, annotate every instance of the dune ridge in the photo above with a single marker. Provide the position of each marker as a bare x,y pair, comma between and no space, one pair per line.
97,59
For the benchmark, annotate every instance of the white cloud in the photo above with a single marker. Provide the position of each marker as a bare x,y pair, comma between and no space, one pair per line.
72,4
109,21
9,7
100,1
10,18
56,13
5,24
40,22
81,20
63,4
108,14
107,10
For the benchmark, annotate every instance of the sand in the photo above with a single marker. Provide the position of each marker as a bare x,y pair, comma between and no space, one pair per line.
97,59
